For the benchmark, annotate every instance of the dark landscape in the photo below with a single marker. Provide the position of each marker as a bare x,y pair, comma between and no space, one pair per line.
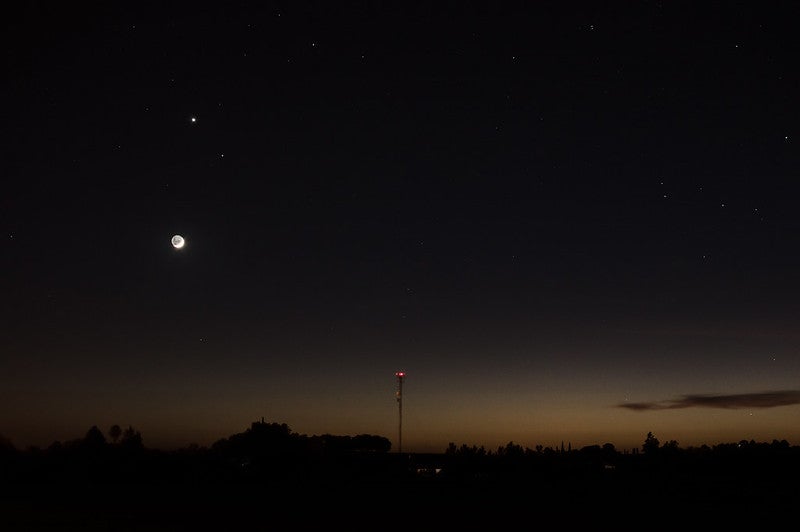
268,477
563,236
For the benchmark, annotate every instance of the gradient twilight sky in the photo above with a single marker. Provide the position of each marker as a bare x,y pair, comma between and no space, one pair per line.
566,221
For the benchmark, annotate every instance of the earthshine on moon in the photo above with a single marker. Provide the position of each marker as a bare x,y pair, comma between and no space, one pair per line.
178,242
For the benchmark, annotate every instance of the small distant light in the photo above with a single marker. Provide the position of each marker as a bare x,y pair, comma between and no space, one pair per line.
194,120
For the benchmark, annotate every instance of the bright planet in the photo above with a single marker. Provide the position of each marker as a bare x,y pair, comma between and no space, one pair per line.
178,242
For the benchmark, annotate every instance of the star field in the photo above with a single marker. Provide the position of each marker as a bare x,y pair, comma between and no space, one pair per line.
543,214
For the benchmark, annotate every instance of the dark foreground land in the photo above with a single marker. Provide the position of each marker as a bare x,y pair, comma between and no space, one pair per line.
745,486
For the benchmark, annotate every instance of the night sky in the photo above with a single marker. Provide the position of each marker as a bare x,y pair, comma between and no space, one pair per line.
565,221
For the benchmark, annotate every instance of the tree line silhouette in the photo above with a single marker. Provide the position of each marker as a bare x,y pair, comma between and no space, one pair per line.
272,454
269,461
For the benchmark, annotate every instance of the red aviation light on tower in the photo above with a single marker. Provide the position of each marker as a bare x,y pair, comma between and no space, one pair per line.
400,374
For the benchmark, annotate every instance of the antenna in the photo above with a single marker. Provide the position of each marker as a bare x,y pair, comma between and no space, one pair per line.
400,375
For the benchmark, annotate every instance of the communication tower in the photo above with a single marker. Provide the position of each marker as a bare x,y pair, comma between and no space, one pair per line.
400,376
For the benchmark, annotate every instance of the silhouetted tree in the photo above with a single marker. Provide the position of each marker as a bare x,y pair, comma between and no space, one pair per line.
262,441
651,444
671,446
593,451
609,452
114,433
369,442
511,450
94,438
131,439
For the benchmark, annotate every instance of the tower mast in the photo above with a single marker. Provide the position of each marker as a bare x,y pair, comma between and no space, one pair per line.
400,375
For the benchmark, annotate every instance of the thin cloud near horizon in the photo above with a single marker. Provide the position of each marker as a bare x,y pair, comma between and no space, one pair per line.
744,400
